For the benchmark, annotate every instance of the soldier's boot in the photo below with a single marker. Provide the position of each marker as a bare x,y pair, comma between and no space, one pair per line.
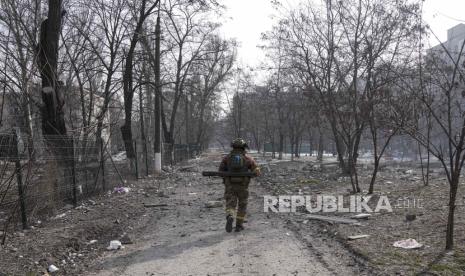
239,227
240,222
229,223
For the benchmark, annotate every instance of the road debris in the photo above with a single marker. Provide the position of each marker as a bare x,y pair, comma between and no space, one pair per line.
115,245
333,219
356,237
189,169
52,269
214,204
361,216
410,217
60,216
408,244
121,190
125,239
153,205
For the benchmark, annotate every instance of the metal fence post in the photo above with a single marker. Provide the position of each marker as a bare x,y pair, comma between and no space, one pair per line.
146,158
73,172
136,157
19,179
102,165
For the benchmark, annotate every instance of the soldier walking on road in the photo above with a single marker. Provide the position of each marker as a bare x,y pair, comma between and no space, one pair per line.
236,189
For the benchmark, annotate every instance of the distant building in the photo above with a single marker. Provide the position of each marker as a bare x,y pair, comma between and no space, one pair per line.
13,113
455,38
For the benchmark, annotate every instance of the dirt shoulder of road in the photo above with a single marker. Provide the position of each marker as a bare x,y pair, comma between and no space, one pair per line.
74,238
403,186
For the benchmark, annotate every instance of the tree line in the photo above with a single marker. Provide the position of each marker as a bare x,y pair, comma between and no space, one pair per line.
69,65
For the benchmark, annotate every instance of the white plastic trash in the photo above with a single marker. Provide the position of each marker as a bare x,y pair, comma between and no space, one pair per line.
361,216
115,245
121,190
408,244
52,269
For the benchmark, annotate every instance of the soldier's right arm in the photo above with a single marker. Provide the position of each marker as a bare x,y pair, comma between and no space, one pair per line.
253,166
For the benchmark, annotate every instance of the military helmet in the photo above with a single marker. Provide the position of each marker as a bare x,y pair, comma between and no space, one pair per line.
239,143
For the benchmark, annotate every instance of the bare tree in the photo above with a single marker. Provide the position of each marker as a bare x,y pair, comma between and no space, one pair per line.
188,32
442,97
210,72
20,22
108,20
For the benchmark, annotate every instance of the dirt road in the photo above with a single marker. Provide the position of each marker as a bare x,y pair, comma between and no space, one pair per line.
186,238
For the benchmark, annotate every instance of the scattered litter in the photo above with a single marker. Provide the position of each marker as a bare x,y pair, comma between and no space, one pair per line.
213,204
410,217
92,241
287,234
409,171
121,190
192,193
361,216
59,216
52,269
115,245
333,219
125,239
119,156
189,169
150,205
356,237
408,244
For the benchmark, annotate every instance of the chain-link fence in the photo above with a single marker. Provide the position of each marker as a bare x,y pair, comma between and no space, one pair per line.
38,177
173,154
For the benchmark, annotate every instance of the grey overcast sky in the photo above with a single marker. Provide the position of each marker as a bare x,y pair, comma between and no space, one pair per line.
247,19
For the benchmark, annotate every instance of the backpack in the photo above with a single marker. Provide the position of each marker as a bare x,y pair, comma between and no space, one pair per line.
236,164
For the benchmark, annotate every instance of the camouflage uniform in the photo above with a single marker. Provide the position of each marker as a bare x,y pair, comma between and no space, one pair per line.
237,193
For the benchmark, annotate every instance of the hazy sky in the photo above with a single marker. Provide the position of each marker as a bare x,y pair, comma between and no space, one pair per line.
247,19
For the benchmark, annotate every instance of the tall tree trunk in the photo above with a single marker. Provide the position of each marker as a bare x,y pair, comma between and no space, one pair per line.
158,104
320,146
450,218
126,129
53,122
273,148
292,149
281,145
201,123
142,129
